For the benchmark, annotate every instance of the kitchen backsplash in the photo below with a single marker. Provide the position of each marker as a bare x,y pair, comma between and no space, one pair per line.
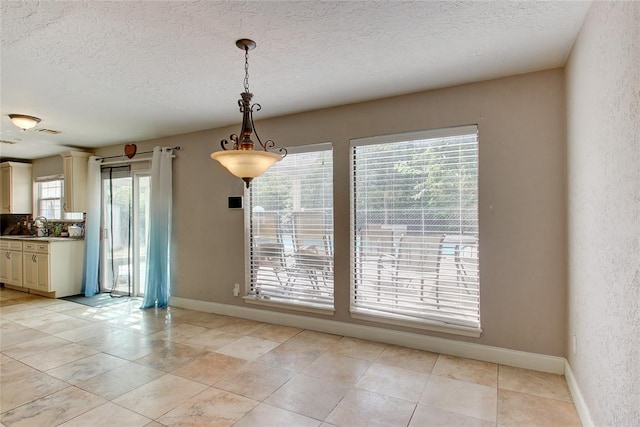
9,220
11,224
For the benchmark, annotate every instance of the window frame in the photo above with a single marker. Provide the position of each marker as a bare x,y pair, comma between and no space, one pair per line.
359,312
37,200
290,304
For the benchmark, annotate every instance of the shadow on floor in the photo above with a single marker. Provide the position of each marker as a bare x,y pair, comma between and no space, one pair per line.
99,300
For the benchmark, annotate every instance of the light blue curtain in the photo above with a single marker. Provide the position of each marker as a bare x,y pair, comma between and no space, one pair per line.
90,285
156,293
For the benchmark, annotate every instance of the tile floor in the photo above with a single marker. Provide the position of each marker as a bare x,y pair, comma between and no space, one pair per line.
67,364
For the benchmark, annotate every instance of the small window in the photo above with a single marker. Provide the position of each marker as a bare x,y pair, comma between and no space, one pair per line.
49,194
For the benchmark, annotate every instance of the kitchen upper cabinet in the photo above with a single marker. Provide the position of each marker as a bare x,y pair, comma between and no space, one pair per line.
16,187
11,263
76,164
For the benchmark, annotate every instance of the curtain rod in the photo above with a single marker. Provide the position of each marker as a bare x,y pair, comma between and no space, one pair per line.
176,148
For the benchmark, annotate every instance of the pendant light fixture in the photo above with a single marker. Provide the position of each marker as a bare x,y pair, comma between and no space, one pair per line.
23,121
242,160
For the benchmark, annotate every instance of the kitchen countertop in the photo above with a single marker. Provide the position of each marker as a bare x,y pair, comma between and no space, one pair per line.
41,239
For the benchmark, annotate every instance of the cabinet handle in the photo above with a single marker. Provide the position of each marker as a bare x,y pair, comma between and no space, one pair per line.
8,255
33,258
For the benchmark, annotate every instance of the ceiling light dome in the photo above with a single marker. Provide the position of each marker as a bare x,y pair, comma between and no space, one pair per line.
23,121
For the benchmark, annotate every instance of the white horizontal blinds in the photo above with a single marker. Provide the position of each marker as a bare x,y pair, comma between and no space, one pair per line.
291,258
49,192
50,197
415,227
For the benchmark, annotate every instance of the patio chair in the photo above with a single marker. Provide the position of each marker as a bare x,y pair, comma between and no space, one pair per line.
377,247
465,258
418,261
268,246
312,247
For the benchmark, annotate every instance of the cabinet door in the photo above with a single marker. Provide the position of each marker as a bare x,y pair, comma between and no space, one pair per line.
75,181
5,266
30,270
16,188
42,283
68,197
15,258
5,188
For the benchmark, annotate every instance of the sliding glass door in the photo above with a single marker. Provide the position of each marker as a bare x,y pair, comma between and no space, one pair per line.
125,225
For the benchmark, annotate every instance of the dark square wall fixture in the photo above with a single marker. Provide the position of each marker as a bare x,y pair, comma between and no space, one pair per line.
235,202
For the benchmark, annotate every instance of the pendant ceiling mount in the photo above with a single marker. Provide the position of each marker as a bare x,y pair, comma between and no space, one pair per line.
246,44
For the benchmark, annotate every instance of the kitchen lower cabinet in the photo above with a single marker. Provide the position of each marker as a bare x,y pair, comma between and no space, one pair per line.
11,263
54,268
36,271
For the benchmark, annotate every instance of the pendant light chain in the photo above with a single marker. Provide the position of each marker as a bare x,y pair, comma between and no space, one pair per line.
246,69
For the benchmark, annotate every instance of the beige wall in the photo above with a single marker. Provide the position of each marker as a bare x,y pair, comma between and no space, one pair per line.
48,166
522,233
603,176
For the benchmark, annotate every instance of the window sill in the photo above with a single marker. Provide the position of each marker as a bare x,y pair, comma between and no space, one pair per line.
424,324
278,303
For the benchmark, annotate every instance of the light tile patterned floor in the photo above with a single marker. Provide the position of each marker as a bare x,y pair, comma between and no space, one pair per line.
67,364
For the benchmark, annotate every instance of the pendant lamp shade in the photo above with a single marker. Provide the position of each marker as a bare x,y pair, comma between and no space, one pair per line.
246,163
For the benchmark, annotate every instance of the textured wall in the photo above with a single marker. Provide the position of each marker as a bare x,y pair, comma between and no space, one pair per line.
603,154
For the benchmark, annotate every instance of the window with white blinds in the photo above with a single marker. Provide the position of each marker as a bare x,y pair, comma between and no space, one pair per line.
414,240
291,230
48,195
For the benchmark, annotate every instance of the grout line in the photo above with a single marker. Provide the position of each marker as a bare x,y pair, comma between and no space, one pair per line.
324,351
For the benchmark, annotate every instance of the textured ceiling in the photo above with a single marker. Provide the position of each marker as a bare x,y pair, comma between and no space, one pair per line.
105,73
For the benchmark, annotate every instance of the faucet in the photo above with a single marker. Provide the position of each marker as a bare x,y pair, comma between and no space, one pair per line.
46,226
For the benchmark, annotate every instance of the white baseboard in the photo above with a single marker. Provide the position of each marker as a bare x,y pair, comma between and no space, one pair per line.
519,359
578,399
